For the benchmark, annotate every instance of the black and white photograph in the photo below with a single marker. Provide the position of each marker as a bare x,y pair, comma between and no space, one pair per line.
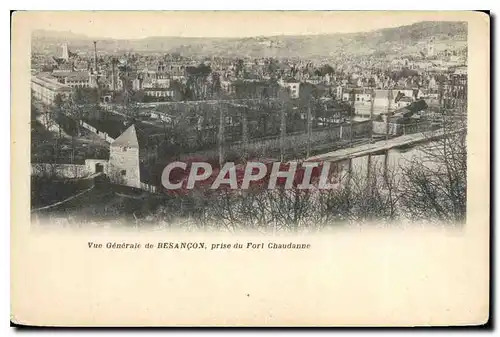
267,132
250,168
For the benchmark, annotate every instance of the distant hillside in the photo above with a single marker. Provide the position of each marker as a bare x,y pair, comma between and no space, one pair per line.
404,39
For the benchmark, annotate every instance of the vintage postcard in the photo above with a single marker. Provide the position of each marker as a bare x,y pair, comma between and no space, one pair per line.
305,168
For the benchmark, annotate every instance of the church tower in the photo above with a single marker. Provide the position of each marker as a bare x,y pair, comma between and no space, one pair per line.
65,52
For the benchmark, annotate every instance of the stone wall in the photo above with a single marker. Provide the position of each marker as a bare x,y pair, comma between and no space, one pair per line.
264,146
91,165
398,129
381,128
101,134
71,171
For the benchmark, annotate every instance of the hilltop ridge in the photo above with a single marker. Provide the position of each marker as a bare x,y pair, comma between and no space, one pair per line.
403,39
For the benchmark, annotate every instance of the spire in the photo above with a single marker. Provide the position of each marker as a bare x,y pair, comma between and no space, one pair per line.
95,57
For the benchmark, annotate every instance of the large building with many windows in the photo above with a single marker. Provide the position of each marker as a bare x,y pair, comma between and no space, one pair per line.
46,89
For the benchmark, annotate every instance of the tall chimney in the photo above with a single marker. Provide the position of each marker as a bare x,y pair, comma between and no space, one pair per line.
95,57
113,78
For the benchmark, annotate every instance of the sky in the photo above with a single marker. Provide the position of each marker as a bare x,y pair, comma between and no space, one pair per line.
133,25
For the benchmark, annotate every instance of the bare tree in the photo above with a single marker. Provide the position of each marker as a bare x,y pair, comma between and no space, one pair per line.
431,186
434,184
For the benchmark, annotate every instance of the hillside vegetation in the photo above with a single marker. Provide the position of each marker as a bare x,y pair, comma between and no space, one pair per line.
404,39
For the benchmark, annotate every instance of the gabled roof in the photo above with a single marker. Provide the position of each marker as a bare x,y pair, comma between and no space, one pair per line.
49,82
128,138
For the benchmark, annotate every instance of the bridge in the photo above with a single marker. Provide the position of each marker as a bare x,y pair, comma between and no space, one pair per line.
383,146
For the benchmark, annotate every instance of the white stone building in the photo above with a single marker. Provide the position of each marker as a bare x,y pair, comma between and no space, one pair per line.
123,167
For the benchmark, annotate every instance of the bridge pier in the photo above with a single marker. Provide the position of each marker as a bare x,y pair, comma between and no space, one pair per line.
369,167
349,170
386,162
349,173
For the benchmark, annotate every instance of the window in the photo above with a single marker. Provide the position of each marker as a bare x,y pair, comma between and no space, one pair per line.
123,172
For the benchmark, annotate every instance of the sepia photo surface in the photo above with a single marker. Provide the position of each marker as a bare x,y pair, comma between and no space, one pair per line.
250,168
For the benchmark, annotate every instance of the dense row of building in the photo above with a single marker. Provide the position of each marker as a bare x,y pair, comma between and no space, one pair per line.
430,75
